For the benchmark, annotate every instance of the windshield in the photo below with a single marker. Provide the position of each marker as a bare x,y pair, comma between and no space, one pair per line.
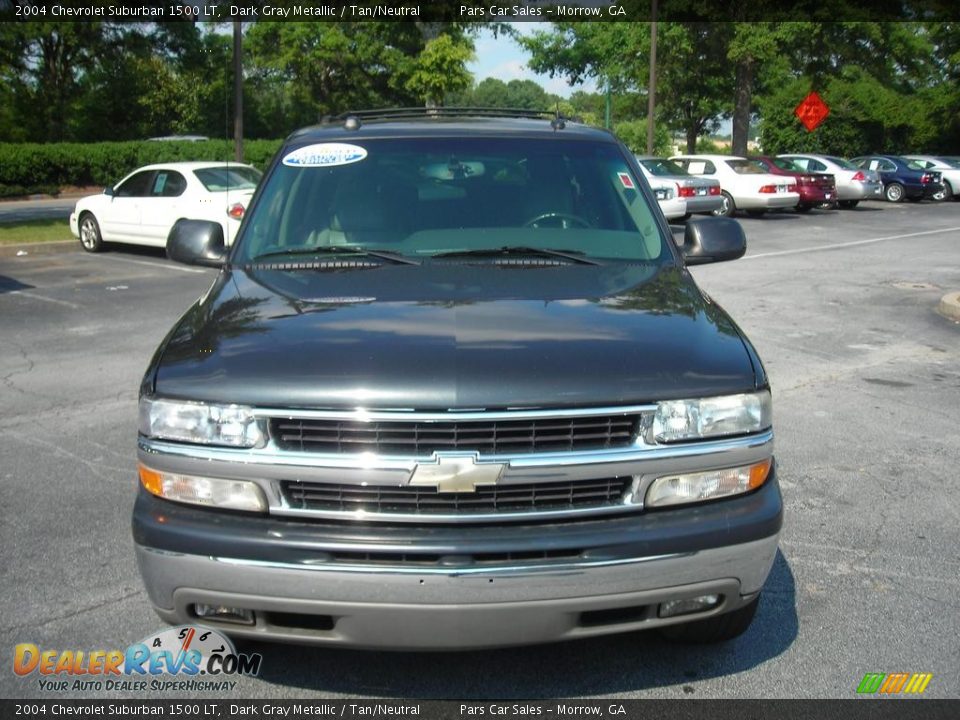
424,197
845,164
785,164
228,177
662,168
745,167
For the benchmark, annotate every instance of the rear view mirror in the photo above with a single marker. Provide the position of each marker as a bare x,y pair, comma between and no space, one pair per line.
711,240
197,242
108,191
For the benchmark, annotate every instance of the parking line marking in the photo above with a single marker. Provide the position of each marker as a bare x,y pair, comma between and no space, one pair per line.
840,246
156,265
74,306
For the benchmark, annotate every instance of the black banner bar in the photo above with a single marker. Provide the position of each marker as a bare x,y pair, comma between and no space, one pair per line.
473,10
859,709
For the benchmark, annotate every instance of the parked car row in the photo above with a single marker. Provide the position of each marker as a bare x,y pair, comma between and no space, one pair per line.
799,182
143,207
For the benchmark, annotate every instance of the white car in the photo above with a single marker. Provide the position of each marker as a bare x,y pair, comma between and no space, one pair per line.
142,207
673,206
853,183
743,185
702,195
949,169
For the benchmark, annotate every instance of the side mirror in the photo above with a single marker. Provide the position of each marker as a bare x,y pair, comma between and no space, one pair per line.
197,242
108,191
712,240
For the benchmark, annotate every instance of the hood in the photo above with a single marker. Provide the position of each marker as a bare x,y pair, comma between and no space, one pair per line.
453,336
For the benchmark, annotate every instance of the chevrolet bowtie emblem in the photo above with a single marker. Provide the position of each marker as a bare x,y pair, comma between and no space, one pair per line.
456,474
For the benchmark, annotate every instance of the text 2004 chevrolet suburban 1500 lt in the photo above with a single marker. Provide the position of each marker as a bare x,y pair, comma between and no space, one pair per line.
454,387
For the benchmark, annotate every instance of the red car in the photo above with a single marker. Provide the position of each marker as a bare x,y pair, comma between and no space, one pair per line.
815,188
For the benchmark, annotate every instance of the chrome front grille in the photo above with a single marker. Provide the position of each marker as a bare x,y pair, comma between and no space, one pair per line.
420,438
426,501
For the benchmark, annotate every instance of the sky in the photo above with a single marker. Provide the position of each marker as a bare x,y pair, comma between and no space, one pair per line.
504,59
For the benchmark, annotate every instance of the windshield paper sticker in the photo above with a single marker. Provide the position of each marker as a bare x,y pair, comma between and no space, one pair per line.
325,155
626,180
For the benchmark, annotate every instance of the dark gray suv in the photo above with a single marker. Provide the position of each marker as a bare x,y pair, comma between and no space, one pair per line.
454,387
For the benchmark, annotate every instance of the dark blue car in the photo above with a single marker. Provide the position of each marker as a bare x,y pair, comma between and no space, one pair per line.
901,178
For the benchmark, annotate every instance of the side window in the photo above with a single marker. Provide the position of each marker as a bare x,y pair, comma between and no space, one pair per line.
816,166
136,186
874,164
802,163
887,166
168,183
696,167
709,168
684,164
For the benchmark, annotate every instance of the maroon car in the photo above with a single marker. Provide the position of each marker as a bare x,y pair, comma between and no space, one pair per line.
815,188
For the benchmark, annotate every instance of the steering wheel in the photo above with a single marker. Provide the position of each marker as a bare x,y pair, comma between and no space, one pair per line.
566,220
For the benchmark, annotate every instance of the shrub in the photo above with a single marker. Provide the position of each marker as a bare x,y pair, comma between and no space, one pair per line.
27,168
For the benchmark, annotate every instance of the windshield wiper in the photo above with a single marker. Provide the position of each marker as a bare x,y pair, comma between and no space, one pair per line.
340,250
572,255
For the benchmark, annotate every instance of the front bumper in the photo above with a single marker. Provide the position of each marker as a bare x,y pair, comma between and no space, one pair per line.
613,574
75,224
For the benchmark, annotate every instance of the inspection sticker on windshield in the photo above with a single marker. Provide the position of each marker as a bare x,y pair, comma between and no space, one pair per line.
626,180
325,155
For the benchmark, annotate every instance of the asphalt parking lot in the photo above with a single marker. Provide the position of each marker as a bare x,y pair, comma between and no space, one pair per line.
866,378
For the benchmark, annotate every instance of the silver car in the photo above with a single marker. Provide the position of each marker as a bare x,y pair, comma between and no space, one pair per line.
702,194
853,184
949,169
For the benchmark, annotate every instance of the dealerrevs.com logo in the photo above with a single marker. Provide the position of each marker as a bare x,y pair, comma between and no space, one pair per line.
894,683
186,658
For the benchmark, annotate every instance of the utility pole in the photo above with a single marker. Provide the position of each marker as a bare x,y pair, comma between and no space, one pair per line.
237,91
652,85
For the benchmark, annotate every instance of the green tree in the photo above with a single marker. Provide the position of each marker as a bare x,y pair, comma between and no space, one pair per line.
695,83
440,68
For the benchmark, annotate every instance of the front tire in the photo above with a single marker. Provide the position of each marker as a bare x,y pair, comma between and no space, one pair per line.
90,238
727,207
894,192
716,629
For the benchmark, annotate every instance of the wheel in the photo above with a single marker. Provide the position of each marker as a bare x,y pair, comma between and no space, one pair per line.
718,628
803,208
848,204
566,220
727,207
90,237
756,213
945,193
893,192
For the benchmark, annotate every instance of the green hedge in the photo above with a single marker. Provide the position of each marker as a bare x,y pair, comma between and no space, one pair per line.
27,168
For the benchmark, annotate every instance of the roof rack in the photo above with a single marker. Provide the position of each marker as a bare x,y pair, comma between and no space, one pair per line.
405,112
354,118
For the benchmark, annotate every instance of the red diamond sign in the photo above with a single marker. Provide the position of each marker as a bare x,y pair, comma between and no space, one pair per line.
811,111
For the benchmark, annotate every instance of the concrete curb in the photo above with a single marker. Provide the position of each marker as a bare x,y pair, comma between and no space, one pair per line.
44,248
950,306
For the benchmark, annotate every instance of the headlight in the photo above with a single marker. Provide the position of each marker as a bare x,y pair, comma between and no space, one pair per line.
213,492
230,425
712,417
696,487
